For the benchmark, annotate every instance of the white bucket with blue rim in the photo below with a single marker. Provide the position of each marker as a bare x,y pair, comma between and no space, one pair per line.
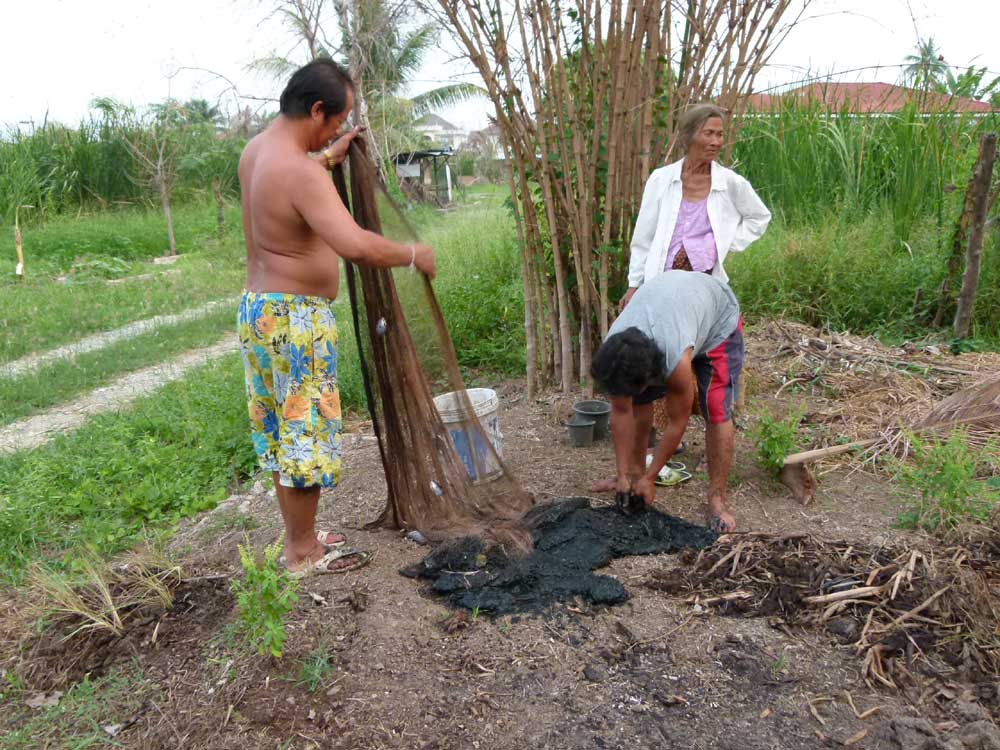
480,462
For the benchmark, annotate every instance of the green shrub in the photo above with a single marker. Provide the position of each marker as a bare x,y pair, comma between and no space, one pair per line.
941,484
264,598
775,439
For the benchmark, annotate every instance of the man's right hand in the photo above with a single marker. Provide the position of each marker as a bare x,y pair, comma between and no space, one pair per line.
423,259
627,298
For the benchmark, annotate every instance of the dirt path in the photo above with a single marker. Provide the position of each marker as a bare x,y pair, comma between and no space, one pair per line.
39,429
106,338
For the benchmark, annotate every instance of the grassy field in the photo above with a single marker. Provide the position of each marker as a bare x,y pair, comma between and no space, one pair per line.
44,311
179,451
63,380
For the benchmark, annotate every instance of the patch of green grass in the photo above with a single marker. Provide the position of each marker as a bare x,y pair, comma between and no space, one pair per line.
130,234
42,313
174,454
77,720
315,668
942,484
61,381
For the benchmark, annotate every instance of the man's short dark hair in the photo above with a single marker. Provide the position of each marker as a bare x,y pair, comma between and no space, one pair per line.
627,362
319,81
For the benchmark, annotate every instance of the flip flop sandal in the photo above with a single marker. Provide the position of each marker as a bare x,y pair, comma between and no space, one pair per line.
669,477
320,536
322,566
675,465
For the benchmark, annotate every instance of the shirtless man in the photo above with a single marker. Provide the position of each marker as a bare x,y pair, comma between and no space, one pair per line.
297,229
674,321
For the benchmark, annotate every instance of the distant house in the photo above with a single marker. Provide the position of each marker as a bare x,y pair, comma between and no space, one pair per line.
437,132
425,176
867,98
486,143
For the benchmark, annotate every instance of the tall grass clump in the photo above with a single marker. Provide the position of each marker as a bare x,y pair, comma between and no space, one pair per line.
806,160
58,169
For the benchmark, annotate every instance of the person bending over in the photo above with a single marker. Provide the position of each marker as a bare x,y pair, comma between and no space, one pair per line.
677,329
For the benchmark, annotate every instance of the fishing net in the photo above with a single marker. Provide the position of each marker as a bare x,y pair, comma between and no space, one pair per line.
443,480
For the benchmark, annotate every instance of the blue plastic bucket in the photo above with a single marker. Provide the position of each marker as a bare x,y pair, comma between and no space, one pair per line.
480,462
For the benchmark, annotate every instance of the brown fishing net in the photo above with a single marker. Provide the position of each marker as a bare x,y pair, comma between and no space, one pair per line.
407,358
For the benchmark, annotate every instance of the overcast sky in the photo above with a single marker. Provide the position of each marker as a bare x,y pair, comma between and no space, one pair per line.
57,55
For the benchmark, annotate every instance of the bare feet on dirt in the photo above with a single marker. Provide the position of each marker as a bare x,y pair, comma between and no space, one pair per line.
719,517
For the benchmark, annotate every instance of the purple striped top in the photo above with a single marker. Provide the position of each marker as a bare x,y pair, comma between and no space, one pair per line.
693,231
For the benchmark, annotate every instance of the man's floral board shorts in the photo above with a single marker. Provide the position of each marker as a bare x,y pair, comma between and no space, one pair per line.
289,347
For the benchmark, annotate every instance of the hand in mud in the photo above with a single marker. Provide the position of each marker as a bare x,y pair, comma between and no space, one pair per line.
622,484
645,488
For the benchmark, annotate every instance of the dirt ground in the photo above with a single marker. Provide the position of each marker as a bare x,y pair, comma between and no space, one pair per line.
407,673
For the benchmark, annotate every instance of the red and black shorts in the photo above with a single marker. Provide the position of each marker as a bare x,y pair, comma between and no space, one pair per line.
718,374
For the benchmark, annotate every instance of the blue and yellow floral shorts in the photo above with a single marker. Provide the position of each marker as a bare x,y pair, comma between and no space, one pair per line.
289,347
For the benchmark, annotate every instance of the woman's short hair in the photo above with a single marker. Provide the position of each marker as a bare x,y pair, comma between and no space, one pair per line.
627,362
692,120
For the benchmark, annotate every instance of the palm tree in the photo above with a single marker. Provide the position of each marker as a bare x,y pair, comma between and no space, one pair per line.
380,52
926,68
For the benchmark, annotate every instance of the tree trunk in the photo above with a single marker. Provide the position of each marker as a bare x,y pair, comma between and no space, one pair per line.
165,202
981,179
220,217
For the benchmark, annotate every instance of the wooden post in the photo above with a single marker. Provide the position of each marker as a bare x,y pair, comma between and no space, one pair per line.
982,176
19,270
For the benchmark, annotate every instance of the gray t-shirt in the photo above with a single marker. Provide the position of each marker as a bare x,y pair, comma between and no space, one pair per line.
681,310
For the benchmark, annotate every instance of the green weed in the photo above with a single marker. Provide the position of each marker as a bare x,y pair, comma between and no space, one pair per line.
775,439
315,668
264,598
941,484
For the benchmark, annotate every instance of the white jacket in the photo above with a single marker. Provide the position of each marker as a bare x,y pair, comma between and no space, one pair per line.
736,213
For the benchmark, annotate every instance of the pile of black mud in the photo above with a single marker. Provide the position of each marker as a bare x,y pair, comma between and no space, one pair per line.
571,539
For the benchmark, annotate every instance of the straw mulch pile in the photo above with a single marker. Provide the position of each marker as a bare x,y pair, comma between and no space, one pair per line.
905,611
857,388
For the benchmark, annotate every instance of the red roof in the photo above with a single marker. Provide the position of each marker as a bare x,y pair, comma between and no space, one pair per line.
866,98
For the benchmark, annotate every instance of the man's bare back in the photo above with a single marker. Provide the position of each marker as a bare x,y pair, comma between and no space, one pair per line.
295,224
283,253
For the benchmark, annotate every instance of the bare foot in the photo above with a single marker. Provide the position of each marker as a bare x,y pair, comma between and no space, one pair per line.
296,559
604,485
720,519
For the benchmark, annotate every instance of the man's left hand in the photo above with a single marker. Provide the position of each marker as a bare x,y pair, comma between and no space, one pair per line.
336,152
645,488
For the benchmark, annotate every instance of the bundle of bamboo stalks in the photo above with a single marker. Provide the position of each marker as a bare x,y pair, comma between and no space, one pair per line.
902,609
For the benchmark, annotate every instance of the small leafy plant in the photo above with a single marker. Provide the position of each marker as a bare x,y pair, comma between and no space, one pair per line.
942,484
264,598
775,439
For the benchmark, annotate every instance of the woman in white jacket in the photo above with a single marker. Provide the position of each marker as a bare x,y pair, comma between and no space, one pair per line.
695,211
